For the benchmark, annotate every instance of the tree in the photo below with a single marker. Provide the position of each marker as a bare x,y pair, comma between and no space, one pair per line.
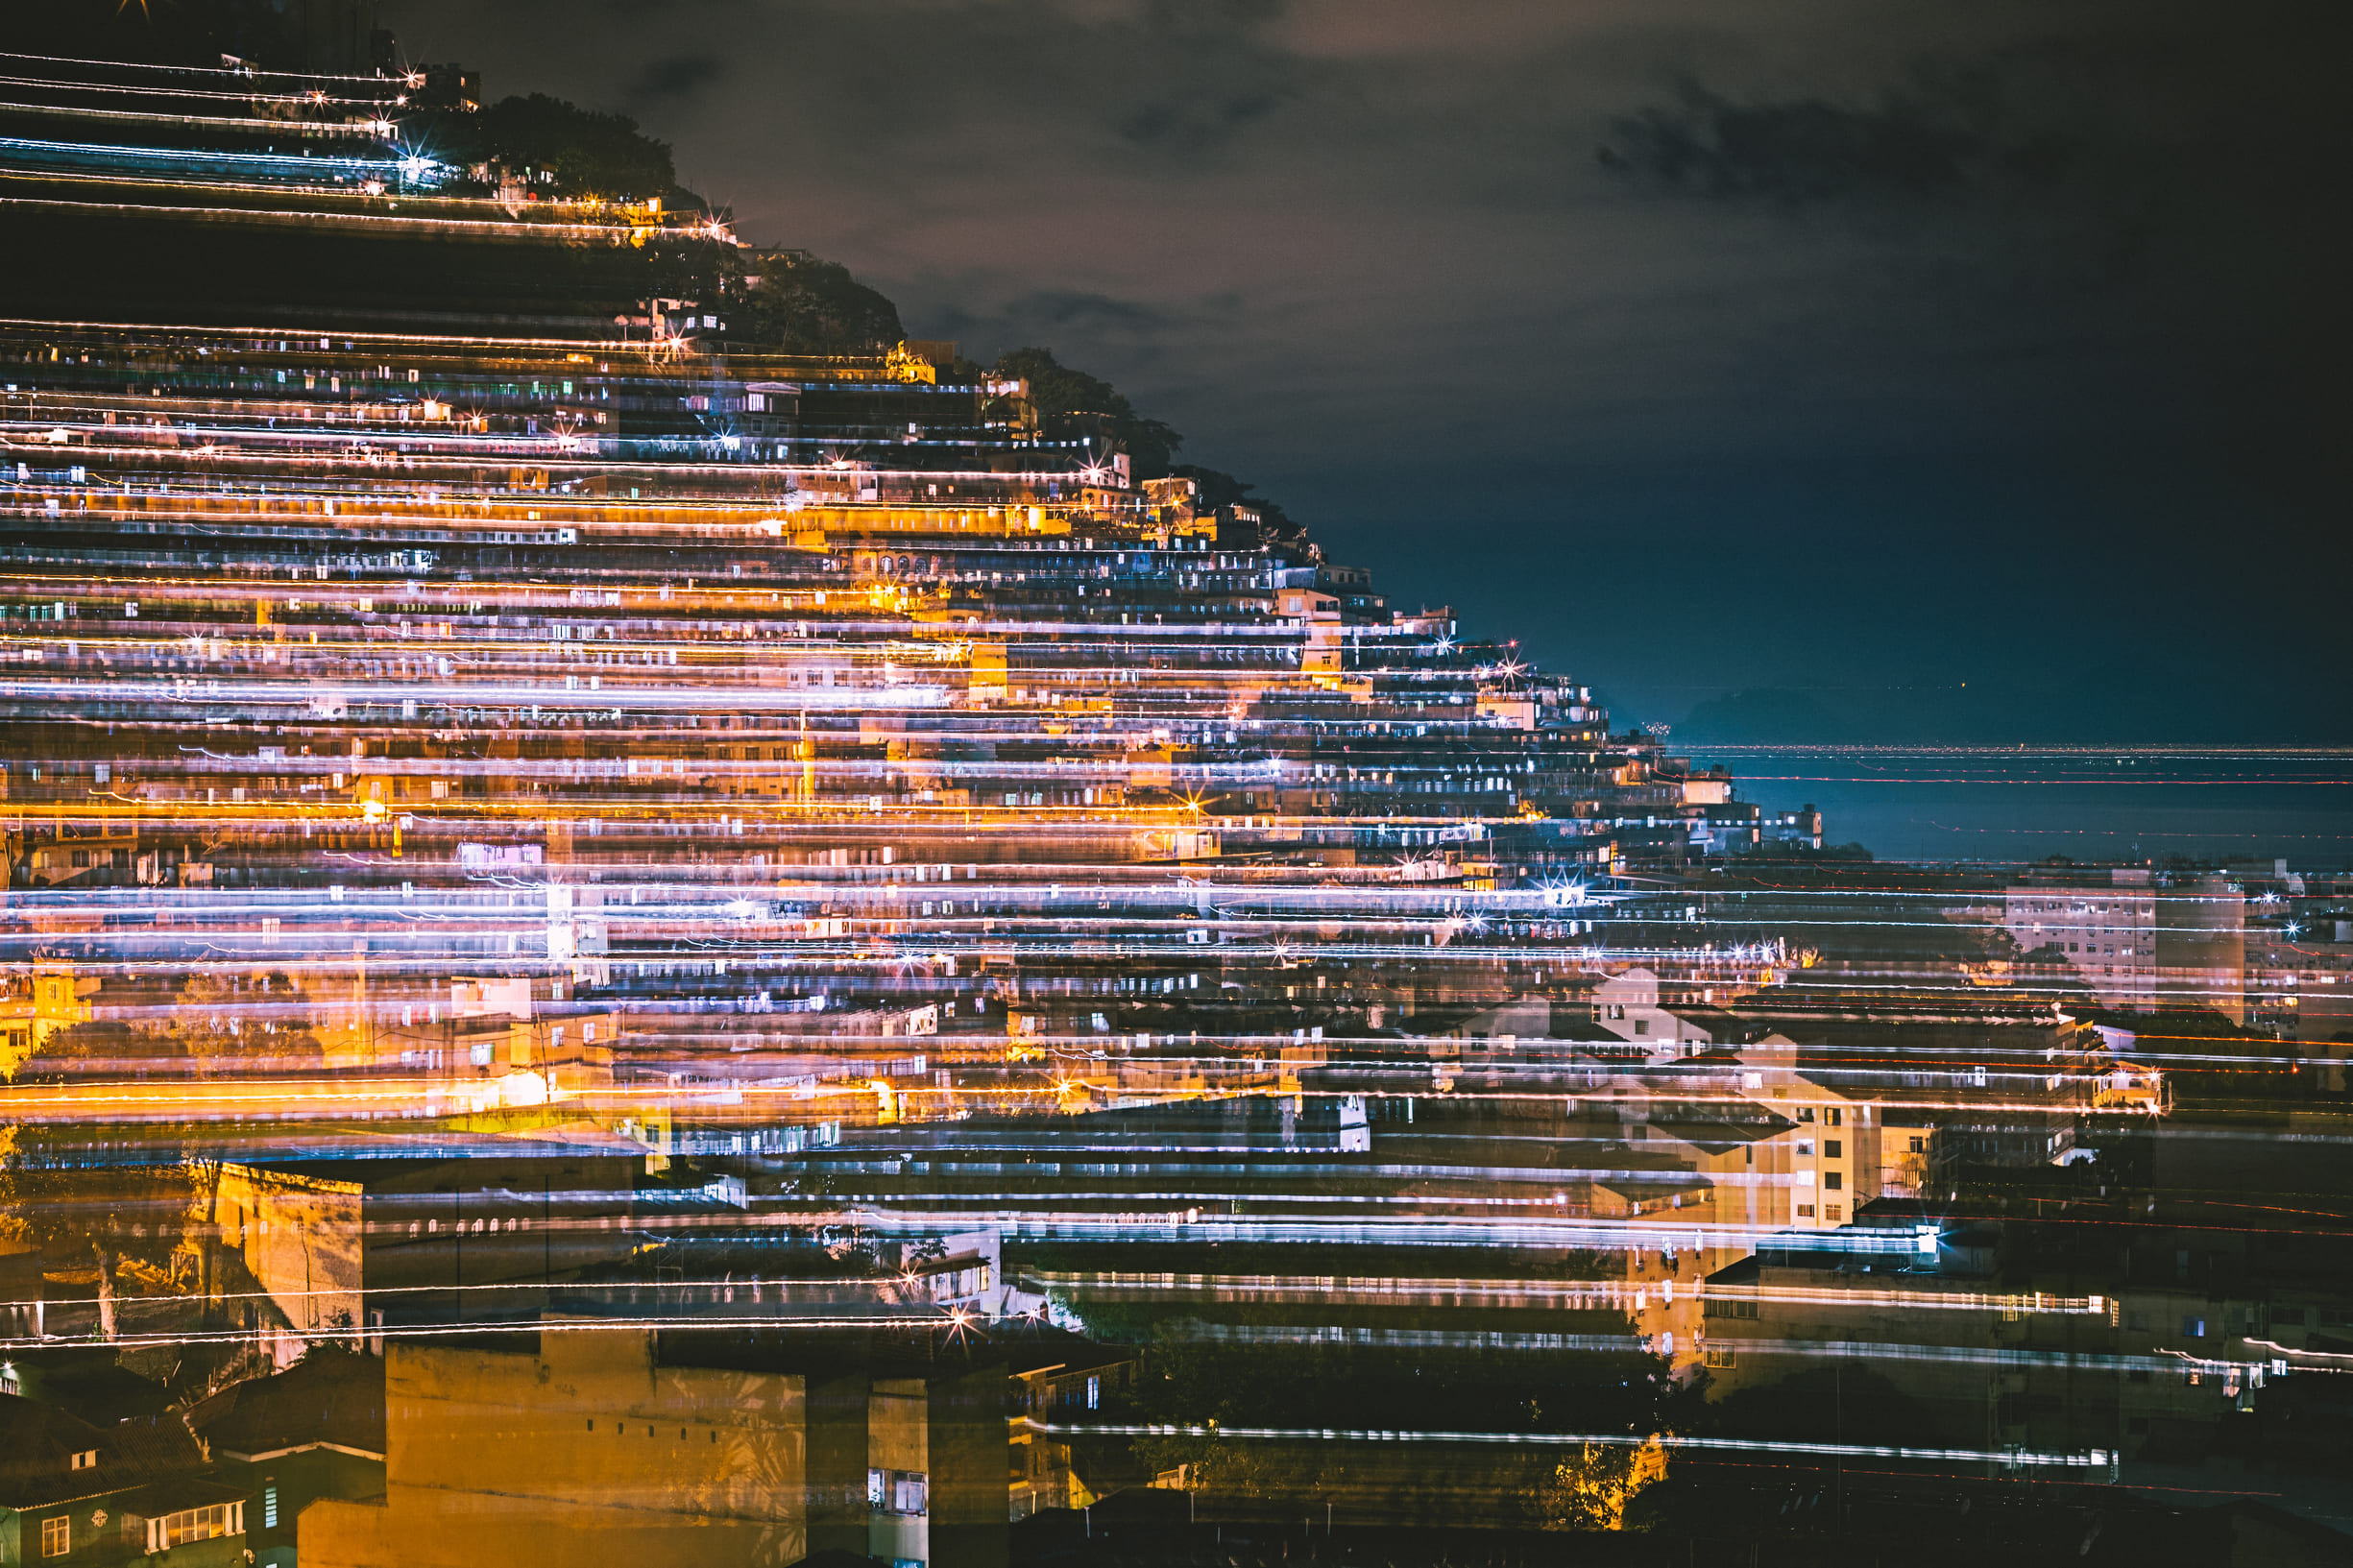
1073,405
78,1050
217,1018
1221,490
1590,1488
590,153
806,306
60,1190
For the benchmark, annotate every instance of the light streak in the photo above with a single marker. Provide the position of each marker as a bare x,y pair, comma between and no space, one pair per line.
2022,1458
1616,1293
241,73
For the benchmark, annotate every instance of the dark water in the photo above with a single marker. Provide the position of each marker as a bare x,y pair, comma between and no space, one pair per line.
1985,803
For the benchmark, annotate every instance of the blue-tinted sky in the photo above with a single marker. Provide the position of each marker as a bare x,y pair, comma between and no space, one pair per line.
1856,348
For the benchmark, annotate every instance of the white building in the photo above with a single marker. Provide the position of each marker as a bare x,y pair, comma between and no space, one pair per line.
2107,934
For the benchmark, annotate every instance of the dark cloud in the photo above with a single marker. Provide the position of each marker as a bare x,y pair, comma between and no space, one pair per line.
1137,333
1195,124
1194,14
676,77
1810,150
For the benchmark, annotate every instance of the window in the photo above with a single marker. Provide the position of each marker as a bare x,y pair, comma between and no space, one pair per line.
57,1537
1835,1116
1721,1358
269,1506
1711,1307
86,1459
1832,1148
1805,1211
1806,1113
898,1491
2193,1327
1920,1145
1094,1394
1834,1213
1642,1025
195,1525
1833,1179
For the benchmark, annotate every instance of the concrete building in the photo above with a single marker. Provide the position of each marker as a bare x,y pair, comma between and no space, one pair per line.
1080,1382
325,1240
1833,1139
2138,943
2106,934
598,1446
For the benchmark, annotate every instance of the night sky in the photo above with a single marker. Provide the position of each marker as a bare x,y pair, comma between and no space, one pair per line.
1852,351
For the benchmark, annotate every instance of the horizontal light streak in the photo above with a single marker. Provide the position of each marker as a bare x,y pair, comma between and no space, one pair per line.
2024,1457
1439,1291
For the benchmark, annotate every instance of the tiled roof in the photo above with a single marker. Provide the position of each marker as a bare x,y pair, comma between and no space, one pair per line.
37,1443
329,1396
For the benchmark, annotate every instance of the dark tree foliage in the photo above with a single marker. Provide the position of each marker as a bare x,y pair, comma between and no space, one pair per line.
1222,490
62,1190
160,31
590,152
1073,405
805,306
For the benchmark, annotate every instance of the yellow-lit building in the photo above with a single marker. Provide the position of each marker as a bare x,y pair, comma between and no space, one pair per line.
594,1447
38,1004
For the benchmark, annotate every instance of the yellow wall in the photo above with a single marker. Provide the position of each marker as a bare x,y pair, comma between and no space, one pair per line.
584,1453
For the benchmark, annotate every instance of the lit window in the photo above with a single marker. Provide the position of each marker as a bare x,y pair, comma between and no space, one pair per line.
86,1459
195,1525
57,1537
898,1491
